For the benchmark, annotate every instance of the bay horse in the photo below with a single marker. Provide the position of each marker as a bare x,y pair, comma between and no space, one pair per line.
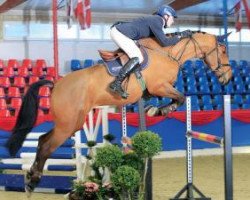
78,92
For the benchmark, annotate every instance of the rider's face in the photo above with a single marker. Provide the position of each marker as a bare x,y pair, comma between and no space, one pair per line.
169,20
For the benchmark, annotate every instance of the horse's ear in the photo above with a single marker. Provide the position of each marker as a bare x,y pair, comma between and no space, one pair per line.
221,38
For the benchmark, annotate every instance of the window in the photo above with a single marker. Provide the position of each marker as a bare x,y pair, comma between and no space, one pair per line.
245,33
15,30
40,31
93,33
211,30
234,36
106,31
67,33
170,30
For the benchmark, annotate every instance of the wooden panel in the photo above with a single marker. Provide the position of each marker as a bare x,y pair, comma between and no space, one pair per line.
9,4
181,4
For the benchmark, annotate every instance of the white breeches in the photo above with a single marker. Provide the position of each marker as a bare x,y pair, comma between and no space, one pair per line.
126,44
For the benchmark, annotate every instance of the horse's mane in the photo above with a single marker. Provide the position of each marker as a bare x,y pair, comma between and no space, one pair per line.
178,33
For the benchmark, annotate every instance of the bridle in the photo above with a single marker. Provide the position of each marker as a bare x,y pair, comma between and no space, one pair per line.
219,64
196,44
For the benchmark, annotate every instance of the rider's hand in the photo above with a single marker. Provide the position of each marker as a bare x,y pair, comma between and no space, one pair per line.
186,34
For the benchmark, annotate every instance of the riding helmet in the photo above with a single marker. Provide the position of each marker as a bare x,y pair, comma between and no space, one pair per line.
166,10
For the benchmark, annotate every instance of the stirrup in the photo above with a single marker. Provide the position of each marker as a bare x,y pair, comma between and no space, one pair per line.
118,89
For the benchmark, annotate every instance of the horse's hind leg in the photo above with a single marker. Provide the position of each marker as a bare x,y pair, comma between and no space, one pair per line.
168,91
47,144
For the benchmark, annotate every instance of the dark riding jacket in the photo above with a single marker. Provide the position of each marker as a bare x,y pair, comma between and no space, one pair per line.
146,27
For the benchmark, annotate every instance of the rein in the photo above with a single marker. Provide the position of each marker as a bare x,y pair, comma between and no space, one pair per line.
196,44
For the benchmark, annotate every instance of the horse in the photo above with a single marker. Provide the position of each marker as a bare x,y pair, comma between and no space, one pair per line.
77,93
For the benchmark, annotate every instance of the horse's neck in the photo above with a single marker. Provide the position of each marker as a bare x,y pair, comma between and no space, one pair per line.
182,51
188,49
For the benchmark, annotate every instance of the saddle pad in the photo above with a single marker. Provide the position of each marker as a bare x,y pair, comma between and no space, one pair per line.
114,66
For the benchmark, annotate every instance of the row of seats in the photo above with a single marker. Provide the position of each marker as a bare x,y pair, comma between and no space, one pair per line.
10,113
15,92
27,63
15,103
21,82
198,64
25,72
76,64
200,102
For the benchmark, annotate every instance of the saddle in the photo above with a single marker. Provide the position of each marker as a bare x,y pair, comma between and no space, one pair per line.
114,60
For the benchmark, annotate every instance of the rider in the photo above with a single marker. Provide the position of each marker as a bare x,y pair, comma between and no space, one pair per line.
124,34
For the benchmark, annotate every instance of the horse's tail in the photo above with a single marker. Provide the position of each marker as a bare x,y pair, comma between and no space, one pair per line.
26,118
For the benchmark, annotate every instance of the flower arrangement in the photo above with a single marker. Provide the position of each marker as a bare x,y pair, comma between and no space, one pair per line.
119,173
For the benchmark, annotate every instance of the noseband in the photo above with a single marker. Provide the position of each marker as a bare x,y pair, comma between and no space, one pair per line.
219,64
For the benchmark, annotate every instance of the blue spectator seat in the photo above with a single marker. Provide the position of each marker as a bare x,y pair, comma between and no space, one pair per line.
218,107
245,71
180,87
199,64
235,71
247,99
246,106
228,88
191,89
237,99
217,99
75,65
202,80
154,101
214,80
165,101
233,63
191,80
182,108
207,107
206,99
237,79
210,74
200,72
188,64
216,88
195,107
247,80
195,100
240,88
88,63
247,88
136,108
235,106
204,89
243,63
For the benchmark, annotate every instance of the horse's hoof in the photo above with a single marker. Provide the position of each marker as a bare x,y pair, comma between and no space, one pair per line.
153,111
29,185
165,111
28,191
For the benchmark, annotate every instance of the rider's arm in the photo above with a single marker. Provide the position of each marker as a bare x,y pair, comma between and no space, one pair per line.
156,28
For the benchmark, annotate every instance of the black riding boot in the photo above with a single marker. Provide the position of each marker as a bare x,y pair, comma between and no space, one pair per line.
129,67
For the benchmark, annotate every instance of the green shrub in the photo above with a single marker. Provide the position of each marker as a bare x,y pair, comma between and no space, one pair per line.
109,156
146,144
133,160
126,179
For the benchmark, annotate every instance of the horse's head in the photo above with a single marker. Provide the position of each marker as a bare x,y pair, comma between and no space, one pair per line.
216,57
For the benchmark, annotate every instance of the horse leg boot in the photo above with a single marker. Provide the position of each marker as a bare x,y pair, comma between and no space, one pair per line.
47,144
116,85
34,175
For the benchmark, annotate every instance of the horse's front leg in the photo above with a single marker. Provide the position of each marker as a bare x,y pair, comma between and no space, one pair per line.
167,91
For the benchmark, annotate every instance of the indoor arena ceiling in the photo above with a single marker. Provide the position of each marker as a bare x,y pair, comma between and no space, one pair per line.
184,7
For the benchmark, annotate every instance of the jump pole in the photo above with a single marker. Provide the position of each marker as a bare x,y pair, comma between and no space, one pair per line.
226,142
